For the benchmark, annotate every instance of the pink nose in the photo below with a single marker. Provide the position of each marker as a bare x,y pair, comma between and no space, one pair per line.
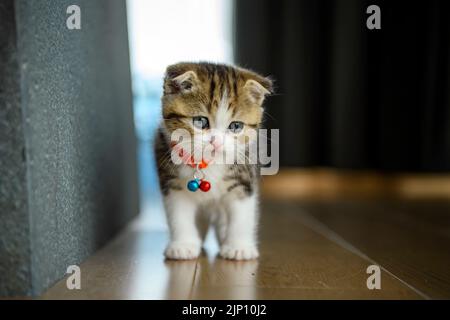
216,142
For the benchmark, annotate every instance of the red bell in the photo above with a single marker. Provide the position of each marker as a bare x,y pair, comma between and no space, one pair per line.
205,186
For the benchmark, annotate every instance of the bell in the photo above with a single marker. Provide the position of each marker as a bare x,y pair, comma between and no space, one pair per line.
193,185
205,186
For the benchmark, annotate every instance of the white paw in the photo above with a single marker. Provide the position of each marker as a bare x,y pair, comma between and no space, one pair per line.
239,252
182,250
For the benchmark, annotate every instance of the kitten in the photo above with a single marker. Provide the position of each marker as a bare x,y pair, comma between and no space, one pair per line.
217,104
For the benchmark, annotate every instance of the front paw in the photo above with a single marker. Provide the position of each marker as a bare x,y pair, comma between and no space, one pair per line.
182,250
239,252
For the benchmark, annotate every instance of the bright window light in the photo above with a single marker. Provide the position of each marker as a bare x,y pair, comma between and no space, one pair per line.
164,32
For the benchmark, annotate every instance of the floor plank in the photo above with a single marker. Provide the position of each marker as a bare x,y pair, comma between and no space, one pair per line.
409,238
131,267
297,262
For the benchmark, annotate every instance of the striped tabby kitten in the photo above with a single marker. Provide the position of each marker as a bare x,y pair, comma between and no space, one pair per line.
217,104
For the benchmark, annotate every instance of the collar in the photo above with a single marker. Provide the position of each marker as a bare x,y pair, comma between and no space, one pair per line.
188,159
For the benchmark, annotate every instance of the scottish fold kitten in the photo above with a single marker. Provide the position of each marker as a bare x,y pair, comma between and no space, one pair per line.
218,105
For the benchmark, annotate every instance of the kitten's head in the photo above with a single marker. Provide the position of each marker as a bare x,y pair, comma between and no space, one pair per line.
218,105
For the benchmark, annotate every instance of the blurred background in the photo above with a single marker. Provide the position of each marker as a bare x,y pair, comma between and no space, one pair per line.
350,97
162,33
346,97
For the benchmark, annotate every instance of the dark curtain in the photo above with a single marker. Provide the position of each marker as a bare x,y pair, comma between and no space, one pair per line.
347,96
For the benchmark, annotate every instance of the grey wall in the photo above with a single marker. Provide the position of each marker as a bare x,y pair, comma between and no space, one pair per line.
67,144
14,224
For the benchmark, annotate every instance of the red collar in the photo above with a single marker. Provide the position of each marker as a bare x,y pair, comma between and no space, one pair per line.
188,158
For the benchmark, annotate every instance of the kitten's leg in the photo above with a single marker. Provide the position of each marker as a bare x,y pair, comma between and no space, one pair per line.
240,241
185,241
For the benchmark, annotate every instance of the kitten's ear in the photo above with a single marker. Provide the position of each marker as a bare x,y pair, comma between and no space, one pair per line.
177,81
258,89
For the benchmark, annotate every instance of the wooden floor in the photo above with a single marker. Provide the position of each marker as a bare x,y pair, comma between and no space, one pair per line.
309,250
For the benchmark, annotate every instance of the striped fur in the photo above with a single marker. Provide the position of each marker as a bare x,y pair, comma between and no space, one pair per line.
224,95
213,81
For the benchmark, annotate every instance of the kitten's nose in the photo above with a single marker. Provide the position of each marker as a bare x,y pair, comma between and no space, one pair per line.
216,142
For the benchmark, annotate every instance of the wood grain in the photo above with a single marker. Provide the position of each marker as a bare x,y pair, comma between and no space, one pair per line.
409,238
320,230
296,262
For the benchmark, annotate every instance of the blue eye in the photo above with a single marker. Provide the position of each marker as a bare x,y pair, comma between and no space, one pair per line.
236,126
201,122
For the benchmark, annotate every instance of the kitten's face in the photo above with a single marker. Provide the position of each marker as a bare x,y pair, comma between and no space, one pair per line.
220,106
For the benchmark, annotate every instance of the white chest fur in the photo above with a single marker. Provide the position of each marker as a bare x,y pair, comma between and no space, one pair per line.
214,174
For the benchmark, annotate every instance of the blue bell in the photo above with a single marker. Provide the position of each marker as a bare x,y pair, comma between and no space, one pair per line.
193,185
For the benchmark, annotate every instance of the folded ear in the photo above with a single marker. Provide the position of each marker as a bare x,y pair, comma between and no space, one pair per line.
179,81
258,89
